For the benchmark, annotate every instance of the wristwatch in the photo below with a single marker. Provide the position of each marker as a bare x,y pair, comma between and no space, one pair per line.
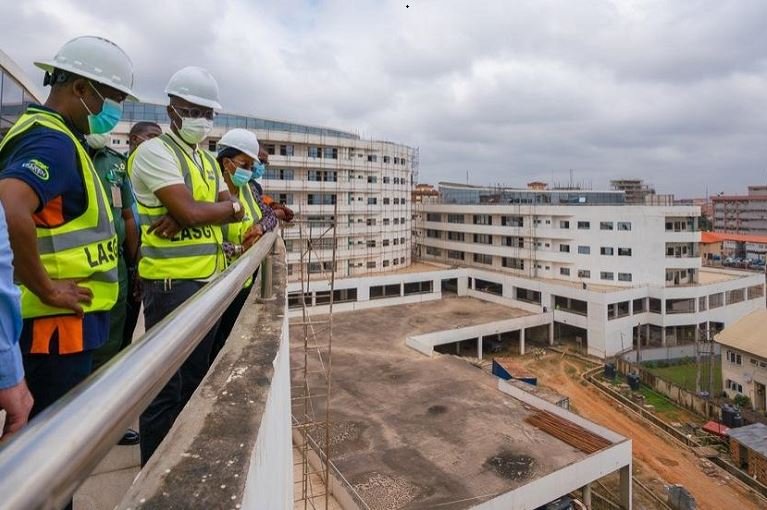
236,207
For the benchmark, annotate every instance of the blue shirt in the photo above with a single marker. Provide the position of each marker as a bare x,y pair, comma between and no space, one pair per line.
11,367
46,160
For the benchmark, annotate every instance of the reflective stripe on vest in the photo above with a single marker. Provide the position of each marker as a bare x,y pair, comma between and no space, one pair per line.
195,253
83,248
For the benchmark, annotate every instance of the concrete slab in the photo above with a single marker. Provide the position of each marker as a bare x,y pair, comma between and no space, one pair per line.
415,432
105,490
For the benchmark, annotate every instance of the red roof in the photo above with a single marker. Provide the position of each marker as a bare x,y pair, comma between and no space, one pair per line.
716,428
717,237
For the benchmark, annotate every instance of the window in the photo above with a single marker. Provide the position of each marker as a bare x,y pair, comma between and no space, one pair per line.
605,225
285,198
371,265
483,219
527,295
269,148
372,201
564,271
715,300
370,243
686,305
430,250
702,303
734,357
570,305
396,180
624,252
455,236
386,201
385,242
605,250
735,296
395,241
386,180
640,305
624,277
584,250
433,217
286,150
564,224
372,158
617,310
370,222
402,220
385,291
433,234
321,176
584,225
483,258
456,255
372,179
483,238
396,201
624,225
564,248
321,199
732,385
386,159
606,275
424,287
755,291
279,174
401,240
488,287
386,221
516,242
385,263
512,221
396,160
584,273
396,221
313,152
656,305
513,263
455,218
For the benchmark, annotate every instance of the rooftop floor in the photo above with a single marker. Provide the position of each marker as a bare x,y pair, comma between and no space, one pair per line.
416,432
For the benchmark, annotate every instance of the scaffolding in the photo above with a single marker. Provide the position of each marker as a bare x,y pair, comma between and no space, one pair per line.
311,368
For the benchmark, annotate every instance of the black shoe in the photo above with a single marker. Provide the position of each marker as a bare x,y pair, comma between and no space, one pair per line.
130,438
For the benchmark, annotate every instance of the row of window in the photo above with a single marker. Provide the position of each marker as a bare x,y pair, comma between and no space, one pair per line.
327,153
519,221
371,243
314,175
603,250
736,359
374,200
371,222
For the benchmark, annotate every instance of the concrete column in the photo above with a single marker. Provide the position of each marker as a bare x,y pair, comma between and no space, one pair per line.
479,347
522,341
625,487
587,495
663,336
551,333
647,333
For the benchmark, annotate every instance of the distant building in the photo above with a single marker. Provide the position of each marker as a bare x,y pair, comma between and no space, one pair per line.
635,189
424,193
742,214
716,247
17,92
744,358
705,204
538,185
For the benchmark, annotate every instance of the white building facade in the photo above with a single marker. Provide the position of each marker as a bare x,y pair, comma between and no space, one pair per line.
329,178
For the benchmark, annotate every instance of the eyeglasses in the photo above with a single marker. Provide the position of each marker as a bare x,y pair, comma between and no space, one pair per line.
195,113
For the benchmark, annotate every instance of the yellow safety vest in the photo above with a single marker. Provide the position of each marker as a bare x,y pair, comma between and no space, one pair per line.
83,248
235,232
195,253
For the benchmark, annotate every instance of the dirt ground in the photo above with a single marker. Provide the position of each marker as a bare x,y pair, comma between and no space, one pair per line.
655,459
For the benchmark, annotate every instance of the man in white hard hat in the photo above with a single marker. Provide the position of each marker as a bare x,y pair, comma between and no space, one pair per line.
182,200
60,226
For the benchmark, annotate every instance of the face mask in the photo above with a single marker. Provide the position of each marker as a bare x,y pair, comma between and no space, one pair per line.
195,130
97,141
258,171
106,120
241,176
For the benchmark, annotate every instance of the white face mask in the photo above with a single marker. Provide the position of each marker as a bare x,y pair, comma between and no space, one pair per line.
194,131
98,141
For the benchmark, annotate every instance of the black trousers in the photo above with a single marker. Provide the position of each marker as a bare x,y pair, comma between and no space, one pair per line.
160,299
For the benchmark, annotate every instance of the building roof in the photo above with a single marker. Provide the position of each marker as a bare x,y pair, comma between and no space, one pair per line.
717,237
753,437
747,334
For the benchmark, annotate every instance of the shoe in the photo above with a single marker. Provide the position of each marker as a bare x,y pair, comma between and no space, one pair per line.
130,438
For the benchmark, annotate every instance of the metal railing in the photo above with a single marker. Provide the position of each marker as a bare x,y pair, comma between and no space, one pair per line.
43,465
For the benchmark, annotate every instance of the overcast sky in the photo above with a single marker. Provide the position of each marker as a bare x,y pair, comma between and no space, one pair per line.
671,91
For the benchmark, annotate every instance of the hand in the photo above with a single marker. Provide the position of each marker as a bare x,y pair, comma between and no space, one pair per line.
239,215
17,402
137,287
67,294
166,227
288,213
253,234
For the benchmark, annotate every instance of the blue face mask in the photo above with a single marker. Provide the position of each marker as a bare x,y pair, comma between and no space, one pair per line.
258,171
241,176
106,120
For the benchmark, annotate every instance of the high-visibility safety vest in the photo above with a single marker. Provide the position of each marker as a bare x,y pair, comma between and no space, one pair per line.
195,253
235,232
84,248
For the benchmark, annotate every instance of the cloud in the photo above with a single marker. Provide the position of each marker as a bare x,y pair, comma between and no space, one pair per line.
672,92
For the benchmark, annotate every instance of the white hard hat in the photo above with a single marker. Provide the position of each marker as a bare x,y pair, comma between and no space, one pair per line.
242,140
97,59
195,85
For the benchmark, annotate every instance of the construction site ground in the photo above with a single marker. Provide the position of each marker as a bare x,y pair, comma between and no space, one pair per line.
657,461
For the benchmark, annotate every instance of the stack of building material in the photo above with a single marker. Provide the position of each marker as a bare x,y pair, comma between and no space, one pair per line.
568,432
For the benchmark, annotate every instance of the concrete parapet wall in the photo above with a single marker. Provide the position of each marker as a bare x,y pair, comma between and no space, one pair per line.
231,445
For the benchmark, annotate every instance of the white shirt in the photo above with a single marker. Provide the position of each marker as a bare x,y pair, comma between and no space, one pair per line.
155,167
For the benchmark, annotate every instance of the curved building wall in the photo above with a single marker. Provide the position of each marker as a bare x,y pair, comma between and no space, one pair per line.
326,176
16,92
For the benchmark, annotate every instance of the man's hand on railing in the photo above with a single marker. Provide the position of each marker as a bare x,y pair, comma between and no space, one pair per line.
17,402
253,234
